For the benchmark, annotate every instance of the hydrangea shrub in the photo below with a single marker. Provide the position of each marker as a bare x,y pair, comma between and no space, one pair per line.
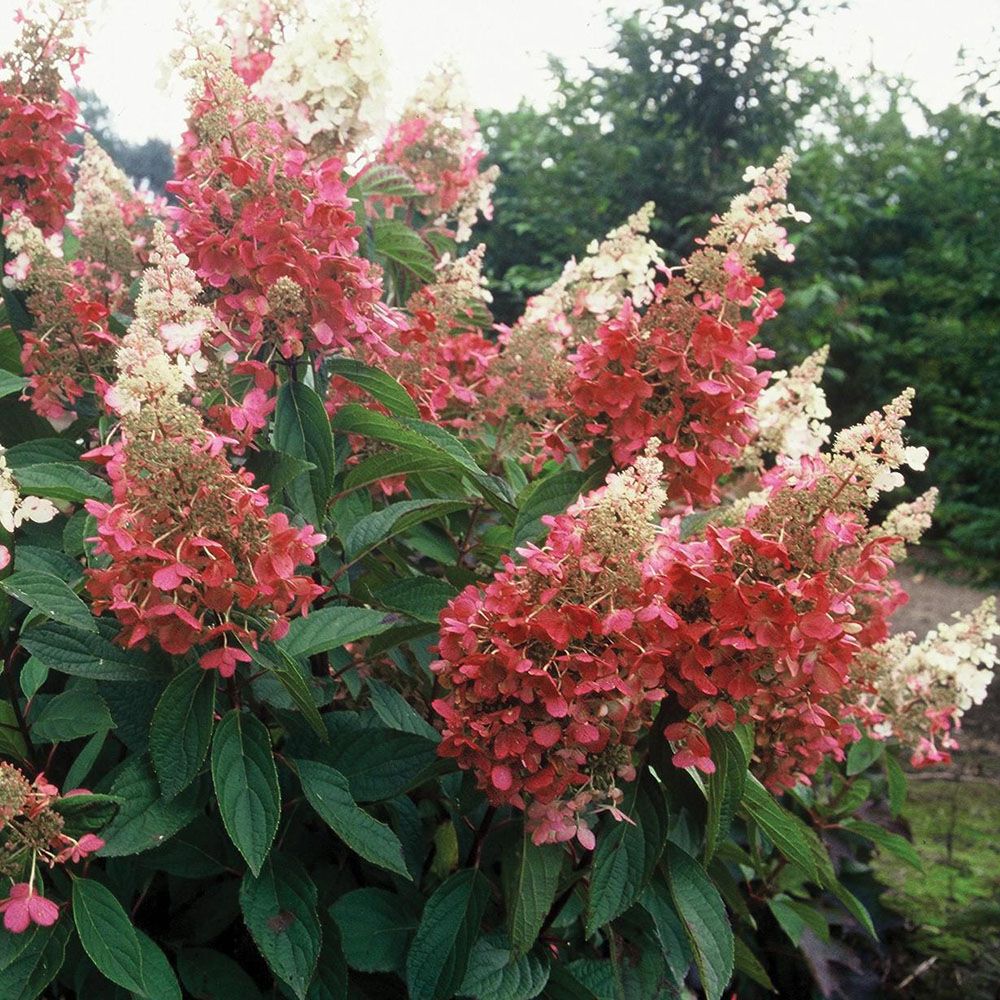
356,647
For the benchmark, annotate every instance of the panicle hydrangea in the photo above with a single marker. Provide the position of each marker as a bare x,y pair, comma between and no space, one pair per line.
909,521
549,674
194,559
16,508
443,358
919,691
438,146
791,413
272,237
37,114
327,73
32,831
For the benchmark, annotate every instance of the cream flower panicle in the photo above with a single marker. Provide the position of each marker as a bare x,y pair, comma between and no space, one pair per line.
15,509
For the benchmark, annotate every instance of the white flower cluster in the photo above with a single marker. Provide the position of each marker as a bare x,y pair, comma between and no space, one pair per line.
328,76
910,520
872,452
161,353
791,412
462,279
15,509
625,262
28,249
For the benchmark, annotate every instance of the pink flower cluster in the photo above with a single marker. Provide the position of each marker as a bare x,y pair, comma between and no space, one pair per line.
195,559
32,831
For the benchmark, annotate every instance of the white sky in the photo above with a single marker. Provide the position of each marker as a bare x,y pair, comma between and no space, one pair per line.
501,47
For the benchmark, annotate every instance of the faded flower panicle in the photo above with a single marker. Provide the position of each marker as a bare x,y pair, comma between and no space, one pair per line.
437,145
791,413
909,521
32,831
919,691
327,75
15,508
37,114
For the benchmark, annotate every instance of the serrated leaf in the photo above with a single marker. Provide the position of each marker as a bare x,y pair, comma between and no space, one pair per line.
159,978
279,908
703,916
795,917
749,964
896,780
495,973
421,597
551,495
294,680
331,627
329,793
330,979
385,465
72,714
439,954
107,935
51,561
144,820
784,829
381,525
378,384
181,730
61,481
86,812
375,928
39,956
385,179
398,242
302,430
93,655
864,753
379,763
275,469
10,383
884,839
670,934
50,596
246,785
626,854
724,787
530,880
397,713
41,451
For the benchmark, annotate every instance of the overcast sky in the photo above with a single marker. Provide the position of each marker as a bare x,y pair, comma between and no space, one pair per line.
501,47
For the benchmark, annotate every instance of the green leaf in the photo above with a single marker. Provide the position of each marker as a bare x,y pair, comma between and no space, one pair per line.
495,973
62,481
9,383
37,957
397,241
384,465
279,908
530,879
896,779
551,495
85,760
864,753
11,741
703,916
86,654
885,839
40,451
385,179
107,935
375,929
855,907
627,853
329,794
246,785
332,627
210,975
785,830
724,787
51,561
10,346
749,964
397,713
302,430
159,978
293,679
439,955
50,596
381,525
420,597
144,820
417,436
86,812
275,469
670,933
376,383
379,763
181,730
330,980
794,917
72,714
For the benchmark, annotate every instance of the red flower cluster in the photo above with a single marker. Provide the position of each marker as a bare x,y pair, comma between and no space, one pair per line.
195,560
273,237
31,830
679,374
